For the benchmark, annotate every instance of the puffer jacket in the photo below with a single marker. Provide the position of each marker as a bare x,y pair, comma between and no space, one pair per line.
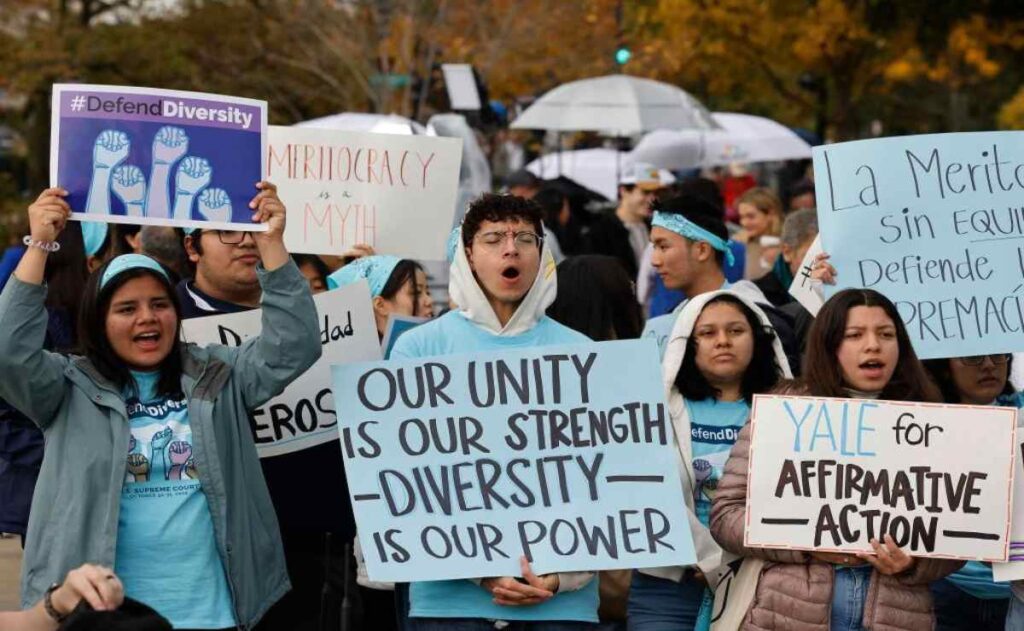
794,592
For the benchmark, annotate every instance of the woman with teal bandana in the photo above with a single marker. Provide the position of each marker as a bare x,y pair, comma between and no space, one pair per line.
392,284
150,466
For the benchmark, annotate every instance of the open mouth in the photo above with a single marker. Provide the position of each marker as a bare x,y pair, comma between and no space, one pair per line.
147,340
873,367
510,273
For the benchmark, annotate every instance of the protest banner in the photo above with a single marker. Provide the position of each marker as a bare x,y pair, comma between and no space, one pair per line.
802,287
396,193
396,326
832,474
460,465
1013,569
303,415
935,223
163,157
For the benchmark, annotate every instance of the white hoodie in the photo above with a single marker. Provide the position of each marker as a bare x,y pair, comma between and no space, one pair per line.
711,558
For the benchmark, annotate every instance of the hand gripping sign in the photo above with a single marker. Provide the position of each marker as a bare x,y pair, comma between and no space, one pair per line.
460,465
832,474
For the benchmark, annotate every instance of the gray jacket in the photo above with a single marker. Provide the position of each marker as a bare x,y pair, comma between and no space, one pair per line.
75,509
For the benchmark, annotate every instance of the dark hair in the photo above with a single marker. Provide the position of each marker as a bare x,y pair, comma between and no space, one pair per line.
699,211
403,273
115,243
822,374
493,207
316,262
596,297
942,373
92,336
65,275
702,187
551,201
760,376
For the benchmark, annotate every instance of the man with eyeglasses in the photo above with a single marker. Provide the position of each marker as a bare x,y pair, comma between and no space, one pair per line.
225,280
502,280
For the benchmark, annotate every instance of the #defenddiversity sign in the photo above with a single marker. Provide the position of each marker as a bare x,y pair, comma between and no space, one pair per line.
832,474
460,465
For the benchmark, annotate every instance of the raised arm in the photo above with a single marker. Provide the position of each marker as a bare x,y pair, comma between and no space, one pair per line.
33,379
289,342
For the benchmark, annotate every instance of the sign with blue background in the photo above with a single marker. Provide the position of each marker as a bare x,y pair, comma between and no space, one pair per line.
936,223
458,467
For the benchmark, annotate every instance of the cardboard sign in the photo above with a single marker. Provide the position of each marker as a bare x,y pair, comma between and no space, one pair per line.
803,288
304,414
395,193
935,223
157,157
831,474
460,465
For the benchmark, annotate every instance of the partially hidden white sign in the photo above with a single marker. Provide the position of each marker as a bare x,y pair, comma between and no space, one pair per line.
832,474
395,193
303,415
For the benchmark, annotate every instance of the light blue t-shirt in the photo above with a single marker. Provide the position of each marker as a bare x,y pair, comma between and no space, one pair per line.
166,551
450,334
714,427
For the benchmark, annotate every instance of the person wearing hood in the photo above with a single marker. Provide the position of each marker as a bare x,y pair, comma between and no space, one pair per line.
392,284
721,352
502,279
690,251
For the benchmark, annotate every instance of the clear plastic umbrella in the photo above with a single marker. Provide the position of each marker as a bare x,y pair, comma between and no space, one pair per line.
616,105
742,138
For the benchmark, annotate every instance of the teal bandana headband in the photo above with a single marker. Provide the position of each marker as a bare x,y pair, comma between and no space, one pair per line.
376,270
126,262
94,234
454,240
686,228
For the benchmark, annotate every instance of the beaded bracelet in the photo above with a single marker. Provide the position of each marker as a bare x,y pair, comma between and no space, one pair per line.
49,246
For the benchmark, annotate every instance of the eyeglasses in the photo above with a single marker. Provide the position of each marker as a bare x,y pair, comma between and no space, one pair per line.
977,360
522,240
230,237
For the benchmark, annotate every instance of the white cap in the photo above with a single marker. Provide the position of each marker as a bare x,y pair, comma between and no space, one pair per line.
644,175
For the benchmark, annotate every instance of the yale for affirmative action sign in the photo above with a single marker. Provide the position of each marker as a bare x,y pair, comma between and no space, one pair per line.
832,474
936,223
460,465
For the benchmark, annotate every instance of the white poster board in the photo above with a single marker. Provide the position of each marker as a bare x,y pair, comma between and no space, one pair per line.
803,288
394,192
303,415
461,85
830,474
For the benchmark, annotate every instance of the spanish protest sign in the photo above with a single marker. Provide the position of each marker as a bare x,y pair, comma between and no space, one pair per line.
459,467
396,193
832,474
1013,569
935,223
149,156
303,415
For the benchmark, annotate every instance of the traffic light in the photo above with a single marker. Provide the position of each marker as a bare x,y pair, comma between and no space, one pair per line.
622,54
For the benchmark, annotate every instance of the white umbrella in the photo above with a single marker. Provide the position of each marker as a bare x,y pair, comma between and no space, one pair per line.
360,121
595,169
742,138
617,105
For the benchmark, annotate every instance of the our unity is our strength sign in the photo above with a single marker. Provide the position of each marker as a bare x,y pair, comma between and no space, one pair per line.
459,466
